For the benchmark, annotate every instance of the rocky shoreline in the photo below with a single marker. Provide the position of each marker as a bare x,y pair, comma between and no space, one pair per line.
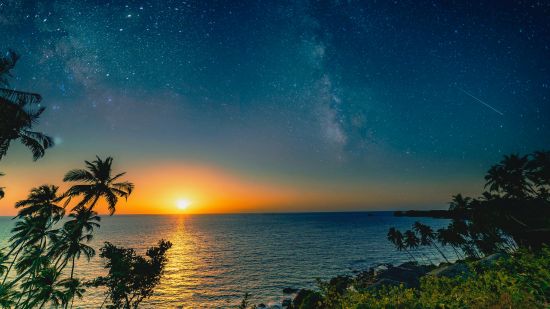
408,274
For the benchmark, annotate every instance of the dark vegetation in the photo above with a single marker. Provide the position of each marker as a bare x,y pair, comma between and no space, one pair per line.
495,251
53,229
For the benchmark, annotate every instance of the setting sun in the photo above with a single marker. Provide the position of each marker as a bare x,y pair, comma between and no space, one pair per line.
182,204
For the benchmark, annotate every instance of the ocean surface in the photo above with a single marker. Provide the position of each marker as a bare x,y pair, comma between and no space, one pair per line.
216,259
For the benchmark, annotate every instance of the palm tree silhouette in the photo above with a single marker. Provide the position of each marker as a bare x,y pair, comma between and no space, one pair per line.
427,236
43,288
509,177
96,182
7,295
396,237
447,237
73,288
459,203
42,201
410,240
19,111
76,232
37,214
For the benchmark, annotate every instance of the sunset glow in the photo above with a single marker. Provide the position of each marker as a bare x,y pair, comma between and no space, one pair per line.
183,204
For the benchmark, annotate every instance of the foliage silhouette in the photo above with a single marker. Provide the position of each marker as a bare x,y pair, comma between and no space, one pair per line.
131,278
19,112
41,246
96,181
514,212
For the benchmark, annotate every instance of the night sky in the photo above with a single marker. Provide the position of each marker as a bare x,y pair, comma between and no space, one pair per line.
303,105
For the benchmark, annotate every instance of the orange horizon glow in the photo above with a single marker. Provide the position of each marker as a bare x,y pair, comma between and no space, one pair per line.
211,189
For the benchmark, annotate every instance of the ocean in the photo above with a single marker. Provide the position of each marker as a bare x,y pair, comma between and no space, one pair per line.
216,259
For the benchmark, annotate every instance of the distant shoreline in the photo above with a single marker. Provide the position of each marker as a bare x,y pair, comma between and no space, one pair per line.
439,214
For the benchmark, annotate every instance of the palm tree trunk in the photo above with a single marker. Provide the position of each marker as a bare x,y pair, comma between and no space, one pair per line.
426,257
411,255
103,303
72,273
440,252
72,267
456,252
11,264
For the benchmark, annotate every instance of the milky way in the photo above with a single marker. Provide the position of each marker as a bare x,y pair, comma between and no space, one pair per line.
345,91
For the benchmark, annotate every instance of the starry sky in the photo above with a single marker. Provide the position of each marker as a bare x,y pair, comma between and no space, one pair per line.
282,105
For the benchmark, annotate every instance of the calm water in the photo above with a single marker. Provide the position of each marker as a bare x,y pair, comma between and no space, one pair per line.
217,258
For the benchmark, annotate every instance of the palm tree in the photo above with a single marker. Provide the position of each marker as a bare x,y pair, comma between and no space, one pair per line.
462,238
410,240
38,213
7,295
19,111
396,237
28,233
75,234
96,182
427,236
18,115
42,202
73,288
43,288
459,203
447,237
510,177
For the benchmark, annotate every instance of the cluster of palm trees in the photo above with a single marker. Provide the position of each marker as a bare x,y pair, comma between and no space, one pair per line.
52,231
464,239
521,177
412,240
514,212
39,266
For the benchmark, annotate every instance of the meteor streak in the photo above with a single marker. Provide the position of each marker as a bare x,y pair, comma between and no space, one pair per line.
480,101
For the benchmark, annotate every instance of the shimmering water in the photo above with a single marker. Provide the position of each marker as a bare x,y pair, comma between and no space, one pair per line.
217,258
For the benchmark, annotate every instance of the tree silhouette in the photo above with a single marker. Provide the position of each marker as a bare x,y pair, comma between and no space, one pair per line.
37,214
459,203
44,288
396,237
427,236
76,233
42,202
131,277
97,181
19,112
509,177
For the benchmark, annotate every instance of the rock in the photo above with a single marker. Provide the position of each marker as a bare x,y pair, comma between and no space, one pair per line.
307,299
384,282
457,269
287,302
490,260
290,290
340,283
409,274
262,305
